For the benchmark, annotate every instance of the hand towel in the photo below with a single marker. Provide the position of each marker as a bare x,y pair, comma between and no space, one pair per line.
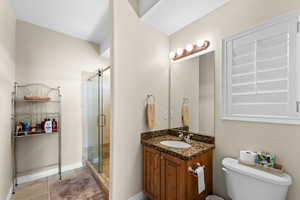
150,115
201,179
185,115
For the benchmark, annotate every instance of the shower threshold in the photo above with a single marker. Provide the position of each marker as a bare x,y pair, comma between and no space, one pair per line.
101,179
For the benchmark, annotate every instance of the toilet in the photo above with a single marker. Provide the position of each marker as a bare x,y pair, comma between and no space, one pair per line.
247,183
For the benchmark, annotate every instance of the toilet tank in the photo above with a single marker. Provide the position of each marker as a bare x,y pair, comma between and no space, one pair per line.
247,183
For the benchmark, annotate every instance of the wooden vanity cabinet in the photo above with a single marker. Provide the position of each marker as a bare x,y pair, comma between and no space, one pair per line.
166,177
152,162
172,180
192,181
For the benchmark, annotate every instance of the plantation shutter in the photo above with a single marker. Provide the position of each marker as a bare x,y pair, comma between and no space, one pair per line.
260,72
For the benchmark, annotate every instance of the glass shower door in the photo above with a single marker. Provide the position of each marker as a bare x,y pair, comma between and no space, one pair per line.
95,135
106,116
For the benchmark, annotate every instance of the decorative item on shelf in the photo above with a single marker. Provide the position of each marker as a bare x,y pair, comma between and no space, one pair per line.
35,98
266,162
265,159
189,50
277,169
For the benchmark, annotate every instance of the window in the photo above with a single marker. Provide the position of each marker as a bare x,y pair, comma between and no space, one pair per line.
260,81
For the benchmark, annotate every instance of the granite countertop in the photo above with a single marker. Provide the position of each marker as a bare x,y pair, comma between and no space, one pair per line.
153,140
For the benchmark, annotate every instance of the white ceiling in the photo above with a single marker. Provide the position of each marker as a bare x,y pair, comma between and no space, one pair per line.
84,19
146,5
169,16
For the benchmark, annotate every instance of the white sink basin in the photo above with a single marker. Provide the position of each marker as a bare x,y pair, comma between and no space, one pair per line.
175,144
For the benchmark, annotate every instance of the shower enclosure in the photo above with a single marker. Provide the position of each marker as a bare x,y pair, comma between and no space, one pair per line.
98,122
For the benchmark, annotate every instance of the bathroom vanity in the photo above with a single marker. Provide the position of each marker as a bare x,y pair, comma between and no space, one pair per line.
169,172
170,157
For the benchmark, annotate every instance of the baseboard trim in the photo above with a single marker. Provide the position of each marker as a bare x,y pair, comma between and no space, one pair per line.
9,195
43,174
138,196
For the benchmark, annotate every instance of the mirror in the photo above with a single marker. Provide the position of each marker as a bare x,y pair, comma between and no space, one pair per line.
192,93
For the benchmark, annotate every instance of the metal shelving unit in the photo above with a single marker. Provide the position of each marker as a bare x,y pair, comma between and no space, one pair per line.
34,111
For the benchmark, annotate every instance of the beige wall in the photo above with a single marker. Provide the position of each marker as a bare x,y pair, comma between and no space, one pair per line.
7,65
233,136
58,60
140,67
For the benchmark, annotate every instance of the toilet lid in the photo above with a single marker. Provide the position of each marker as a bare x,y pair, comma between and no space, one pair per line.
233,164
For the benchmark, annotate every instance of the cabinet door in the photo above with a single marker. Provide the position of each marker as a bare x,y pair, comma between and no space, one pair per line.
152,173
172,178
192,181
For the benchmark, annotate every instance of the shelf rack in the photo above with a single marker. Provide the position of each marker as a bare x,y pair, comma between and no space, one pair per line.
35,111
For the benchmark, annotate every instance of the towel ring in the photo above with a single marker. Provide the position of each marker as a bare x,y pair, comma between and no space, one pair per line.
149,98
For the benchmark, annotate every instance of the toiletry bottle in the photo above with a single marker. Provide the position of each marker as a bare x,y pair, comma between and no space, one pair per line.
33,128
26,126
48,126
43,125
38,128
19,128
54,125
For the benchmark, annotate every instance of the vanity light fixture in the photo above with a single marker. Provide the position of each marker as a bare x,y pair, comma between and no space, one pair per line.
189,47
200,43
189,50
172,54
179,52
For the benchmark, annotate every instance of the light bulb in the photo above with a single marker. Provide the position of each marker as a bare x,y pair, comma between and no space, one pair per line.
189,47
200,43
179,52
172,54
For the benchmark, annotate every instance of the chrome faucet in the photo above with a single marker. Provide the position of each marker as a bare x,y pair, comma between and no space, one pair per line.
181,136
186,138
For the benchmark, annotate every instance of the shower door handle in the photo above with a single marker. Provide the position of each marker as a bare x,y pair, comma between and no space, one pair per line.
101,120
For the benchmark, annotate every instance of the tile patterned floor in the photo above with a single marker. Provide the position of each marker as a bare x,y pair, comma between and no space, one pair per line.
76,185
